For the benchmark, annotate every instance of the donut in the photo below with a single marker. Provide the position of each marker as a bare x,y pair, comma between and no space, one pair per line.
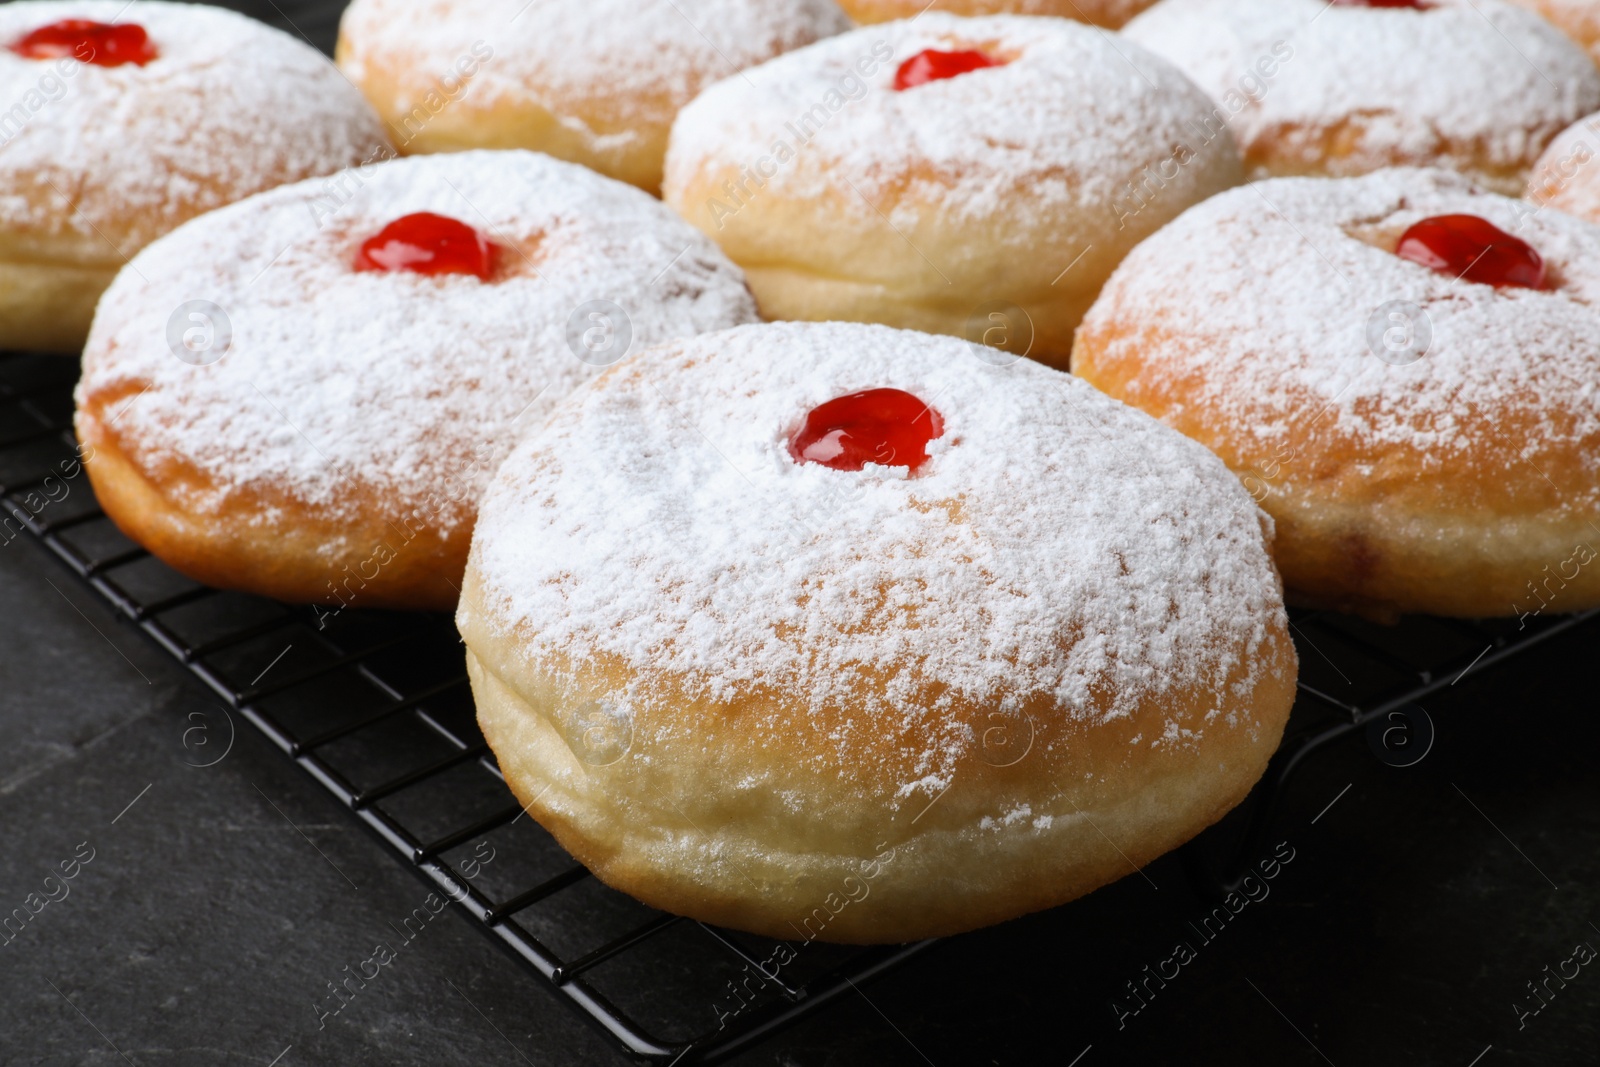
830,631
1401,367
1567,176
596,82
124,122
1578,19
1108,13
303,394
977,177
1313,87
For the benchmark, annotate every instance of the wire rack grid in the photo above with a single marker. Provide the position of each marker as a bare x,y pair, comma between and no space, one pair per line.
375,706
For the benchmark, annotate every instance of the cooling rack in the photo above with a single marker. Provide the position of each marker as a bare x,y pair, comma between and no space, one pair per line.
375,706
1361,677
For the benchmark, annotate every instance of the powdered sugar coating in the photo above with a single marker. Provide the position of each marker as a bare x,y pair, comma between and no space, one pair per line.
1072,115
1262,300
635,61
1108,13
119,155
1430,86
412,385
1058,551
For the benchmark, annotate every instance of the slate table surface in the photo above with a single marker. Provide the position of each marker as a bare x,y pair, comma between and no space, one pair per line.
219,901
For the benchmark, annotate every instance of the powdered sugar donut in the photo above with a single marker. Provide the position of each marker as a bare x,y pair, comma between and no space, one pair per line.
1401,367
832,631
945,173
593,81
1108,13
1311,87
125,121
1567,176
302,395
1578,19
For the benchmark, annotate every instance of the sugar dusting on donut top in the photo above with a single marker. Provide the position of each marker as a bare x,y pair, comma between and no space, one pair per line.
1073,108
1468,72
1057,548
627,52
227,107
411,384
1268,293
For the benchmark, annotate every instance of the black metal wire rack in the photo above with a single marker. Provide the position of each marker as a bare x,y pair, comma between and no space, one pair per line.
375,706
1361,676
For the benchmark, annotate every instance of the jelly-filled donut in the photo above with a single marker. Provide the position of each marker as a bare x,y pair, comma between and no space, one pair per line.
1108,13
833,631
127,120
596,82
1310,87
959,176
1402,368
302,395
1567,176
1578,19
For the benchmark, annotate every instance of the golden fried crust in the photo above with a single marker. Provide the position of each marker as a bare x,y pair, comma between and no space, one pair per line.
99,161
1317,89
48,306
595,82
331,442
1567,176
621,138
1456,475
798,270
1352,145
1017,677
1108,13
295,552
686,814
52,274
1034,215
1578,19
1376,527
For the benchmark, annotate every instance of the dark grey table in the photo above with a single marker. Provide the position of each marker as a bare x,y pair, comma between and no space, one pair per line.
219,902
1421,908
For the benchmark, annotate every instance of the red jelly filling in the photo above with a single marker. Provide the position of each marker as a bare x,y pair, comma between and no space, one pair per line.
428,244
102,43
933,65
1468,247
1418,4
886,426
